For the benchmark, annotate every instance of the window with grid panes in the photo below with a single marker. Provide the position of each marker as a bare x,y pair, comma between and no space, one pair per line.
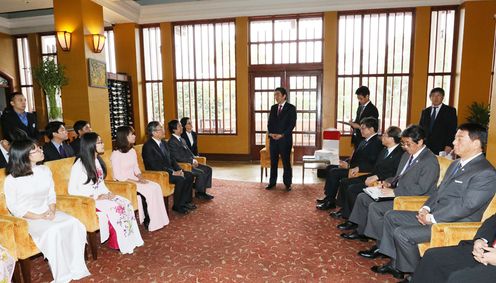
374,49
205,62
295,41
110,51
442,43
153,74
49,52
25,76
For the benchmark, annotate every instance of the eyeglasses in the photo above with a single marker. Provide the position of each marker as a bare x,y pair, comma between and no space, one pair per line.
37,149
407,144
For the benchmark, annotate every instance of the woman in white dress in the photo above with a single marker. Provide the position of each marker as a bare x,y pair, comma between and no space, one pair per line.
124,161
29,193
115,213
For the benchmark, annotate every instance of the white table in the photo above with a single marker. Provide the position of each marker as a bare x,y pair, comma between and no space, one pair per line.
310,162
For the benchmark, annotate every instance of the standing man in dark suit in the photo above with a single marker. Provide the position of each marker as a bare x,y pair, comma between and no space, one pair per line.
4,153
470,261
57,148
81,127
362,160
385,167
282,120
365,109
157,157
190,136
439,122
181,153
463,195
17,118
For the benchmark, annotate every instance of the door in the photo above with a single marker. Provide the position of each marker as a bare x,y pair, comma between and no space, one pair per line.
304,91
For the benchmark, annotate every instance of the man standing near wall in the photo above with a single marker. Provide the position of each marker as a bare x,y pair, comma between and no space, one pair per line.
365,109
282,120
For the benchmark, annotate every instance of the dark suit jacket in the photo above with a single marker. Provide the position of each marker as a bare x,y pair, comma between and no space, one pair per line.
51,152
3,162
465,195
10,122
365,157
194,147
179,151
487,230
422,176
369,111
386,167
155,160
444,129
284,123
76,145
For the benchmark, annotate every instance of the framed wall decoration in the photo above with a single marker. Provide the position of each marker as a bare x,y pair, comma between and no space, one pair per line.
97,73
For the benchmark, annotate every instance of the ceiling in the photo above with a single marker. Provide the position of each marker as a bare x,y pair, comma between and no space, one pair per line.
27,16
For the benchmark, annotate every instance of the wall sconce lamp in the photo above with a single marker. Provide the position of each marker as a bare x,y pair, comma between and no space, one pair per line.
64,39
98,42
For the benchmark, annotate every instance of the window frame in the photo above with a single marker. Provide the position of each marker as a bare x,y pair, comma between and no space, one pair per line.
213,80
386,74
452,73
31,104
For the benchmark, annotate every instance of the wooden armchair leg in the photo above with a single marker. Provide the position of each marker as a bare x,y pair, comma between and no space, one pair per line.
167,206
17,273
93,243
26,269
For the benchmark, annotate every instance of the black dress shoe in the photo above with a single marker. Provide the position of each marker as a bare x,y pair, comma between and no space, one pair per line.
190,206
387,268
288,188
354,236
181,210
204,196
321,200
371,253
336,214
326,205
407,279
348,225
270,186
209,197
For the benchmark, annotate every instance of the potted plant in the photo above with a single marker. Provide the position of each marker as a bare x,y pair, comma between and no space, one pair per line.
478,113
50,76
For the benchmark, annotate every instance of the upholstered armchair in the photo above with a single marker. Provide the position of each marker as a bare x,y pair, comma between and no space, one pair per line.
24,245
265,158
7,240
61,172
160,177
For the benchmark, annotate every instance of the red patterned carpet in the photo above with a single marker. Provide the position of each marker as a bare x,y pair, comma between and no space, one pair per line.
246,234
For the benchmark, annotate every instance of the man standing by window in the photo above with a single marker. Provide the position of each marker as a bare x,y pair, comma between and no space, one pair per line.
439,122
16,118
365,109
282,120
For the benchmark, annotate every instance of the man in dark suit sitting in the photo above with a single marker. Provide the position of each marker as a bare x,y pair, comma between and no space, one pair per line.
385,167
282,120
362,160
81,127
57,148
190,136
439,122
463,195
17,118
157,157
470,261
365,109
181,153
417,175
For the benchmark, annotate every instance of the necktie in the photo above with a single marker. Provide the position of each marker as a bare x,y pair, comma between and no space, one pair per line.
360,111
162,148
456,169
62,151
394,182
362,145
433,117
279,110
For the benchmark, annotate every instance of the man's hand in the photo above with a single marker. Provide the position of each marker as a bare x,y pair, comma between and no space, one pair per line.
343,164
195,163
489,256
354,125
178,173
354,171
478,250
370,181
424,219
386,185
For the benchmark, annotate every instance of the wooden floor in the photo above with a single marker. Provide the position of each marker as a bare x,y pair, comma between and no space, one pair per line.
250,172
